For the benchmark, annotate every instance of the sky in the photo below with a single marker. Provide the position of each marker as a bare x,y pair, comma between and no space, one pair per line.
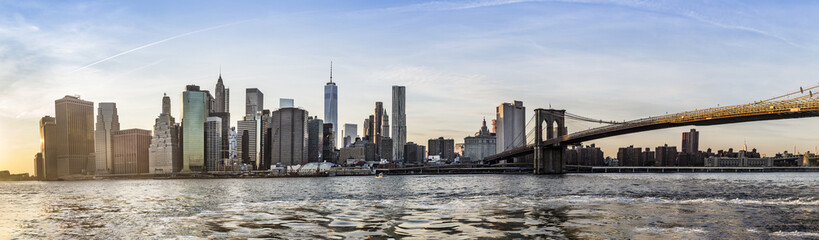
612,60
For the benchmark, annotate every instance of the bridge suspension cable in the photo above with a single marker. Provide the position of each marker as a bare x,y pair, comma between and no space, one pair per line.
509,145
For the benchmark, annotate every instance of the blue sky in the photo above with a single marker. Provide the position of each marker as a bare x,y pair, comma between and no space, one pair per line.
614,60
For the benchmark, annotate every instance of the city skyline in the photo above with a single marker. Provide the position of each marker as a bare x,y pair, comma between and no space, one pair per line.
133,60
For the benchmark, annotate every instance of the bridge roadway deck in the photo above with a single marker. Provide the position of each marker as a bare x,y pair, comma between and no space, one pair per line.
758,111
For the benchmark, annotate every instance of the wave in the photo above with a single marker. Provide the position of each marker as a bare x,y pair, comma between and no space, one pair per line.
604,199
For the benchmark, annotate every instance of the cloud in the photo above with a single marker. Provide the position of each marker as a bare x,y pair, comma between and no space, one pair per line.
155,43
703,12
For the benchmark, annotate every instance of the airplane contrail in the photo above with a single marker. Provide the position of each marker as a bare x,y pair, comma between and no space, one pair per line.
155,43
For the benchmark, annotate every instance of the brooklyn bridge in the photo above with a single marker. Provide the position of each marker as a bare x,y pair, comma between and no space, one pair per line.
547,136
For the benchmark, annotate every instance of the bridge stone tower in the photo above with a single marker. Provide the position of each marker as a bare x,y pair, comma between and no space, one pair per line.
549,158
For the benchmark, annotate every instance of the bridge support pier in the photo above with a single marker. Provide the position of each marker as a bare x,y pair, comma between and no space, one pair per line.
549,159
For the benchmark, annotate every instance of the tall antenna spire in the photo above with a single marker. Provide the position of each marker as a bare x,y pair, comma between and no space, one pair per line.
331,71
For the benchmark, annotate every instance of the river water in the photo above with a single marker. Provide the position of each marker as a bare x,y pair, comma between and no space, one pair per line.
572,206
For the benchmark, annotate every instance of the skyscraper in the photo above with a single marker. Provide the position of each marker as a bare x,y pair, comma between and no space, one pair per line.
221,109
130,151
249,146
233,144
399,122
225,128
222,101
39,166
289,141
48,147
195,105
164,150
511,126
691,141
367,135
385,149
213,143
379,120
254,101
265,137
107,122
331,105
350,134
315,133
385,126
329,152
75,136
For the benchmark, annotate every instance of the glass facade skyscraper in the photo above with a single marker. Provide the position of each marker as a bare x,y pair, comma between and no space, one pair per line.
213,143
194,112
331,106
254,101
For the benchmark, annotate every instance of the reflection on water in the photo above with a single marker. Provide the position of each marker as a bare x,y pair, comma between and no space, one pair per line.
602,206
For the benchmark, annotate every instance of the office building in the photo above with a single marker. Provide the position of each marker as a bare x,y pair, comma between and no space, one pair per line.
107,122
249,136
329,153
225,128
315,135
385,126
213,144
378,120
195,110
385,149
233,144
691,141
367,131
48,147
399,122
164,152
222,97
130,151
265,137
511,126
39,167
350,133
75,136
286,103
481,145
331,106
254,102
445,148
289,144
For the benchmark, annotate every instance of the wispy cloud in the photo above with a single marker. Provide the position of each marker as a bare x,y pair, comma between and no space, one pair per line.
155,43
693,11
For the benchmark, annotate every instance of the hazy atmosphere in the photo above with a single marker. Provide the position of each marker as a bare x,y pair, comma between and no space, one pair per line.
612,60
